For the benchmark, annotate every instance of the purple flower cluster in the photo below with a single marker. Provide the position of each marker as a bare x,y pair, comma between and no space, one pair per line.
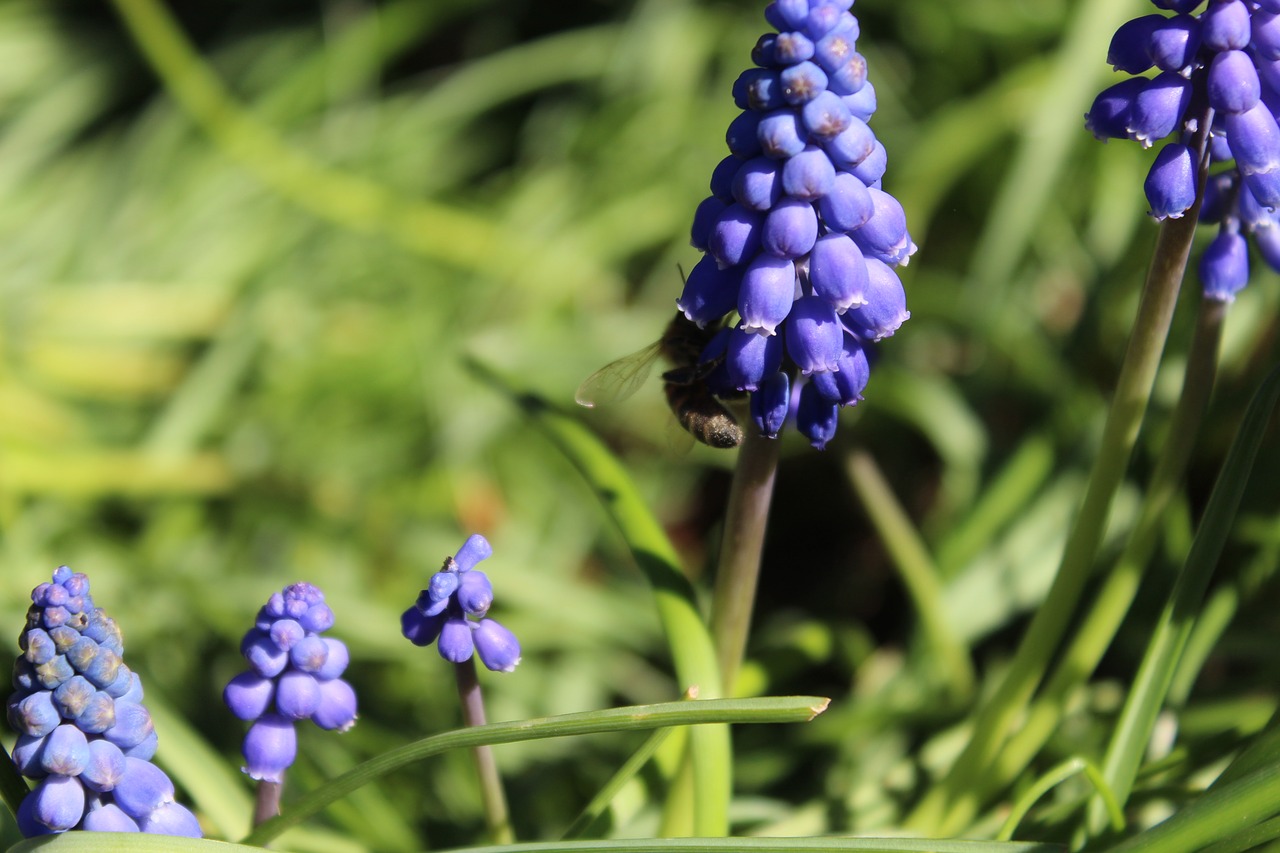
295,675
1222,65
454,593
799,238
83,731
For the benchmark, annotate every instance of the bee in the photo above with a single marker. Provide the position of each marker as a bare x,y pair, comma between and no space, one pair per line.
691,400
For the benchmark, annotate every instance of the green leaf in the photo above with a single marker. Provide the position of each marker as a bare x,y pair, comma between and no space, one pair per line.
630,718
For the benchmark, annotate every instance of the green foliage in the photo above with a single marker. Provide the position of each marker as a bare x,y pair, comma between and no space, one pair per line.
237,307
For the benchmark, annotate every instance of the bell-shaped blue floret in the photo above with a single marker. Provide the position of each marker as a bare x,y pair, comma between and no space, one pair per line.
704,218
475,593
455,642
58,802
886,306
742,135
66,751
709,292
1254,138
758,184
108,817
269,748
751,357
1159,108
1234,86
735,237
1171,183
309,654
813,335
105,768
1130,49
1224,267
851,146
1265,34
790,229
847,206
768,289
771,404
335,663
809,175
826,116
498,648
816,416
884,236
337,708
420,629
171,819
297,694
1225,25
248,695
1108,118
780,134
838,271
802,82
142,788
1174,44
133,725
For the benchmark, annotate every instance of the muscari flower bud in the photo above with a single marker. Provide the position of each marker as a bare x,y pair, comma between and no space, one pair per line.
457,636
294,676
81,721
1171,183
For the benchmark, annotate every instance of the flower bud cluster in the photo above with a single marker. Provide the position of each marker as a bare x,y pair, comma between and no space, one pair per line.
800,240
83,732
294,675
1222,64
453,594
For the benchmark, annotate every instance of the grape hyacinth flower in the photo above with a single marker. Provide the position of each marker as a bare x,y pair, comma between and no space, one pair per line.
453,594
83,733
800,238
1221,65
441,615
294,675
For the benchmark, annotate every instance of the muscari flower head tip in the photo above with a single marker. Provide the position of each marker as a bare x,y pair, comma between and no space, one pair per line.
801,240
83,733
1223,64
451,612
295,674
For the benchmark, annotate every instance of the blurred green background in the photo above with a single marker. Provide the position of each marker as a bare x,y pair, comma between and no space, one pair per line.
235,312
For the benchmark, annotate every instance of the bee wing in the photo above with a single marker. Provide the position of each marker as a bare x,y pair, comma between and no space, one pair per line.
679,440
618,379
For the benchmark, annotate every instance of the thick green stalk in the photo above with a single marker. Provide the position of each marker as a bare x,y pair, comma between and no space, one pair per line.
950,806
1116,595
738,573
496,817
916,568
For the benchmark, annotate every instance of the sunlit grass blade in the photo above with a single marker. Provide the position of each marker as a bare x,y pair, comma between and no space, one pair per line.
625,774
1220,814
692,650
84,842
1169,638
792,709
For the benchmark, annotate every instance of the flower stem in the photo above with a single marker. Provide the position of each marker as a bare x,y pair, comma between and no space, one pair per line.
952,805
266,802
495,802
738,572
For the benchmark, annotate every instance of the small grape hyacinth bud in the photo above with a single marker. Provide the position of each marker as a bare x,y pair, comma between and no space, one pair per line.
809,230
458,636
294,675
83,731
1220,64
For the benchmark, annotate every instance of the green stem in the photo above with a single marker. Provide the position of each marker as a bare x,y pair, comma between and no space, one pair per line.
1116,595
496,817
951,805
916,568
738,573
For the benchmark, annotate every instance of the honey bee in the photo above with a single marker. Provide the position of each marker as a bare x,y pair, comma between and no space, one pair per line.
691,400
